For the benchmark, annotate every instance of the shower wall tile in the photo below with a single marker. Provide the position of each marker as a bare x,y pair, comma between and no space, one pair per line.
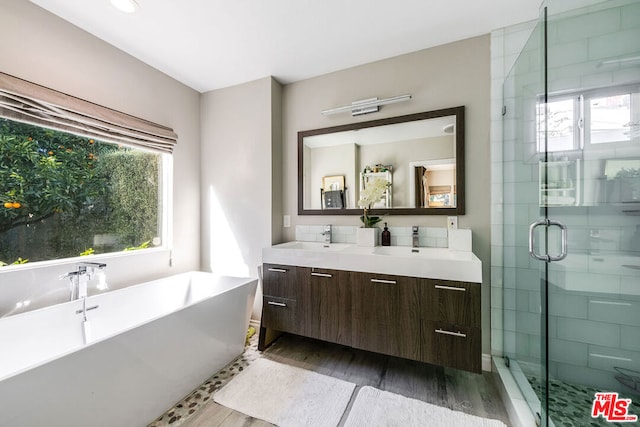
568,53
615,311
569,352
606,358
528,323
570,373
611,45
630,287
605,334
631,16
586,26
630,337
568,305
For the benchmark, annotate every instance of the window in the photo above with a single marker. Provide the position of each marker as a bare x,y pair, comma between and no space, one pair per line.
589,119
63,195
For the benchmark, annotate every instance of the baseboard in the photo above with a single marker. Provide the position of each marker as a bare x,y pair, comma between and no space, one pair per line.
486,362
255,323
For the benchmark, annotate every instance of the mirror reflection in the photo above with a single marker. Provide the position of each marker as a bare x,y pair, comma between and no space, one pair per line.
418,155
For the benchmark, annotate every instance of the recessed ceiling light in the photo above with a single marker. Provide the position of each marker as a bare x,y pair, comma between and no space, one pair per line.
128,6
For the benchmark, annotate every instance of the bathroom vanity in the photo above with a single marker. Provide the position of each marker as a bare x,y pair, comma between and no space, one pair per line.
422,305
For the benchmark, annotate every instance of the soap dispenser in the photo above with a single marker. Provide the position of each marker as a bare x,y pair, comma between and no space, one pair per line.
386,236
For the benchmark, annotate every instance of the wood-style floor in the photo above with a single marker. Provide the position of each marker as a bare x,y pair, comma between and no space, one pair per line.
459,390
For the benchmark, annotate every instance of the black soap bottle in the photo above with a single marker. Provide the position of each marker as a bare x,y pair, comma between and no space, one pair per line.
386,236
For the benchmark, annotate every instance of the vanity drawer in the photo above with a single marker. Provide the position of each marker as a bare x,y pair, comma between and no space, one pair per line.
451,302
455,346
279,314
280,281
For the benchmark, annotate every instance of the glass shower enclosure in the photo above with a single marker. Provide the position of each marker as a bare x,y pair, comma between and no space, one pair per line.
571,214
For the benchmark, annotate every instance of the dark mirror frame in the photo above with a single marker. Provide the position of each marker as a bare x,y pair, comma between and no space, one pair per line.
460,199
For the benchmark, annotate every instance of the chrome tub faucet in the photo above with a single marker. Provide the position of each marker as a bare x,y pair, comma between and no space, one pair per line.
80,277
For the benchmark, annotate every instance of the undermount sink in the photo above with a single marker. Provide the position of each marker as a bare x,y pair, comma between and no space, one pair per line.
313,246
434,263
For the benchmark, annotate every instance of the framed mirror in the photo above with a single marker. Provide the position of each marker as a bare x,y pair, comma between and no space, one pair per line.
421,156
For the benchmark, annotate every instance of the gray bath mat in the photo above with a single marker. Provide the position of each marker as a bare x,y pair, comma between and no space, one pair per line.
286,396
374,407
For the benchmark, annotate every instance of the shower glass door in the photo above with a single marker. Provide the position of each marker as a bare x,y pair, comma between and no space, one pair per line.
572,169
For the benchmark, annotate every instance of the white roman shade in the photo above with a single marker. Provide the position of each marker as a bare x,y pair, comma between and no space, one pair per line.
30,103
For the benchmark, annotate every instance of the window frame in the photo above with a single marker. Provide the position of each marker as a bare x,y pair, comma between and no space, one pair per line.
581,126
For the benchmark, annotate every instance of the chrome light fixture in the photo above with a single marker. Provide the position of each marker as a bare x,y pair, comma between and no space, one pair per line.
127,6
366,106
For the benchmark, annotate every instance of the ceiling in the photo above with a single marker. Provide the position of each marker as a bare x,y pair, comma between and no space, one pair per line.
210,44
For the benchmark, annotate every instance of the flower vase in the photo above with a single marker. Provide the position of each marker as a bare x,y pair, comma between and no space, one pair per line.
369,237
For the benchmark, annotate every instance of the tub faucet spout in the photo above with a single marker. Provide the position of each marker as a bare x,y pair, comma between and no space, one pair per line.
80,277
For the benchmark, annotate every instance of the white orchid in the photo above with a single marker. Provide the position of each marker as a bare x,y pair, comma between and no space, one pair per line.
374,191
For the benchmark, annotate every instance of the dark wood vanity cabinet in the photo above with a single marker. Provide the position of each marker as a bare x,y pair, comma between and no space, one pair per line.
433,321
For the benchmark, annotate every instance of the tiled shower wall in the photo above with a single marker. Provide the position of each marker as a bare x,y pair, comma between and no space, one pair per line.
594,321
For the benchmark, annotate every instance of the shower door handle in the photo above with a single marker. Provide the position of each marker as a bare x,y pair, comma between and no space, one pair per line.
563,240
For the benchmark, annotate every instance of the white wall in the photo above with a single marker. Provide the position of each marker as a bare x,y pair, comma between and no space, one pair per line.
445,76
39,47
240,127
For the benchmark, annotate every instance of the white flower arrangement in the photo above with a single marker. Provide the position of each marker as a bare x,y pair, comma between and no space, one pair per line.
373,193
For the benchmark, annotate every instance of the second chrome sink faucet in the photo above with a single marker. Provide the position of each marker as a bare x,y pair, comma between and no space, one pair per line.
327,234
415,240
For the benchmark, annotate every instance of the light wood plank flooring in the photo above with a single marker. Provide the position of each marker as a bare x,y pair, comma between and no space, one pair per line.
471,393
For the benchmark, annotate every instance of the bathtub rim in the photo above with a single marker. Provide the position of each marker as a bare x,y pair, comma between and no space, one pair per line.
242,281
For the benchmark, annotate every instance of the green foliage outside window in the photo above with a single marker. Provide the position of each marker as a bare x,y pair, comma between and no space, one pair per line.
63,195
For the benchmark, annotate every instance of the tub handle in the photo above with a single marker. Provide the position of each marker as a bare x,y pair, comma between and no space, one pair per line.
278,270
455,334
278,304
93,307
450,288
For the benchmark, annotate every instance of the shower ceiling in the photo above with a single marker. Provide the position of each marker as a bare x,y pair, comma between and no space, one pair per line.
210,44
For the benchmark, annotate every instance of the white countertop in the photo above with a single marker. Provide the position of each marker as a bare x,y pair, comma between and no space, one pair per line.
431,263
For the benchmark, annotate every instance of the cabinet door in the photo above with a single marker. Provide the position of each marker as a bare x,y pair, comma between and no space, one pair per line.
386,314
451,302
325,304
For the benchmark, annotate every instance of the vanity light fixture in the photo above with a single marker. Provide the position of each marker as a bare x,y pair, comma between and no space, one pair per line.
366,106
127,6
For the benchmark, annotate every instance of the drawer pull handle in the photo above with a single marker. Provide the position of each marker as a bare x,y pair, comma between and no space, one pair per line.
278,270
455,334
278,304
321,274
388,282
450,288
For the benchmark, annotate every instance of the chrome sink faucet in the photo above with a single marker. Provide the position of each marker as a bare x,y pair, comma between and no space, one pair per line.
327,234
81,276
415,240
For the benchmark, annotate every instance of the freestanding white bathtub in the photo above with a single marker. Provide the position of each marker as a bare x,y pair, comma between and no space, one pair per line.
149,345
